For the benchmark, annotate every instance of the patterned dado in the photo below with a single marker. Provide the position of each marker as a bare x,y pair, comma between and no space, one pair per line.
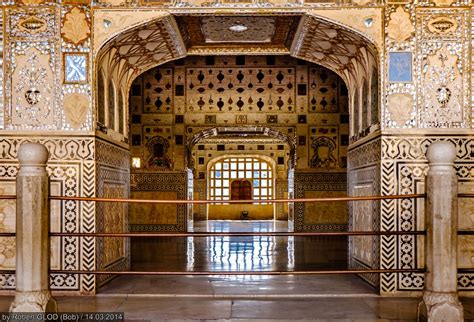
321,215
364,180
113,181
403,169
159,186
71,167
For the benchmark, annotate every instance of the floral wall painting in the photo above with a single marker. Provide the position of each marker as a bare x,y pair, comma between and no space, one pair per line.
76,27
400,67
76,107
400,27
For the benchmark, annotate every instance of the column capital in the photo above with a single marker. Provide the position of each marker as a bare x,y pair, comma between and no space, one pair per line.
32,153
441,153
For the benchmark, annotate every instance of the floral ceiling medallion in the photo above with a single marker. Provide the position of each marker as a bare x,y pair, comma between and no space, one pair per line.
442,25
76,27
32,25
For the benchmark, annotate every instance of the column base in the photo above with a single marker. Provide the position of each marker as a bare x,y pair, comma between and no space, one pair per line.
437,306
39,301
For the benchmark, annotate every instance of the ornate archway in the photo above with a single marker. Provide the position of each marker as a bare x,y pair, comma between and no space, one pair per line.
157,40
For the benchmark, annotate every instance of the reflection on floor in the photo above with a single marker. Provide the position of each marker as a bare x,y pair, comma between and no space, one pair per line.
239,253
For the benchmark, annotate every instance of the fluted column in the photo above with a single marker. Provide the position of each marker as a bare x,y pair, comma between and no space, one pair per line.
32,232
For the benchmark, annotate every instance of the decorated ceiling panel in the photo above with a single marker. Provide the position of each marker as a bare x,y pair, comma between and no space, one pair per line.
345,52
237,33
144,47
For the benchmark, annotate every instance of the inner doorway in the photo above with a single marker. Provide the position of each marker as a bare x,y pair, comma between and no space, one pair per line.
187,96
219,123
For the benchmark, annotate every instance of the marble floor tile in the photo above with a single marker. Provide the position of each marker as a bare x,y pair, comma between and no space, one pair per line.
291,285
5,302
89,304
394,308
232,298
468,304
163,309
334,308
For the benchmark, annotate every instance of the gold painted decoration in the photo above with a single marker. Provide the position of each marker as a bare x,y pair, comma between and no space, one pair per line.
113,2
76,26
400,27
442,25
29,2
400,106
361,2
443,2
32,25
76,107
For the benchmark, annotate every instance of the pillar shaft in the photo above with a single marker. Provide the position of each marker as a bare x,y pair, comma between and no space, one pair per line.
440,296
32,232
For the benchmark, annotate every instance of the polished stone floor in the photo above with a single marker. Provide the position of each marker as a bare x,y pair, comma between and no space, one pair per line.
239,253
242,297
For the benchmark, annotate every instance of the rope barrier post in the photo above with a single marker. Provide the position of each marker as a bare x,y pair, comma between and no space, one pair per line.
440,296
32,232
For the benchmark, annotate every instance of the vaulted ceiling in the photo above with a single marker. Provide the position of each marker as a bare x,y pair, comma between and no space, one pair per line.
307,37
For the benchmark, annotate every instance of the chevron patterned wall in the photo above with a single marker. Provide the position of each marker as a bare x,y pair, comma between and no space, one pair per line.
71,167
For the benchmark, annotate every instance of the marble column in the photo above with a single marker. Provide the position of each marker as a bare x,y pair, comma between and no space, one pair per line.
440,296
32,232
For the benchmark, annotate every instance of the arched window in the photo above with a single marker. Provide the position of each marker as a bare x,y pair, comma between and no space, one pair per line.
158,147
374,100
121,109
355,108
101,97
111,105
250,178
365,105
